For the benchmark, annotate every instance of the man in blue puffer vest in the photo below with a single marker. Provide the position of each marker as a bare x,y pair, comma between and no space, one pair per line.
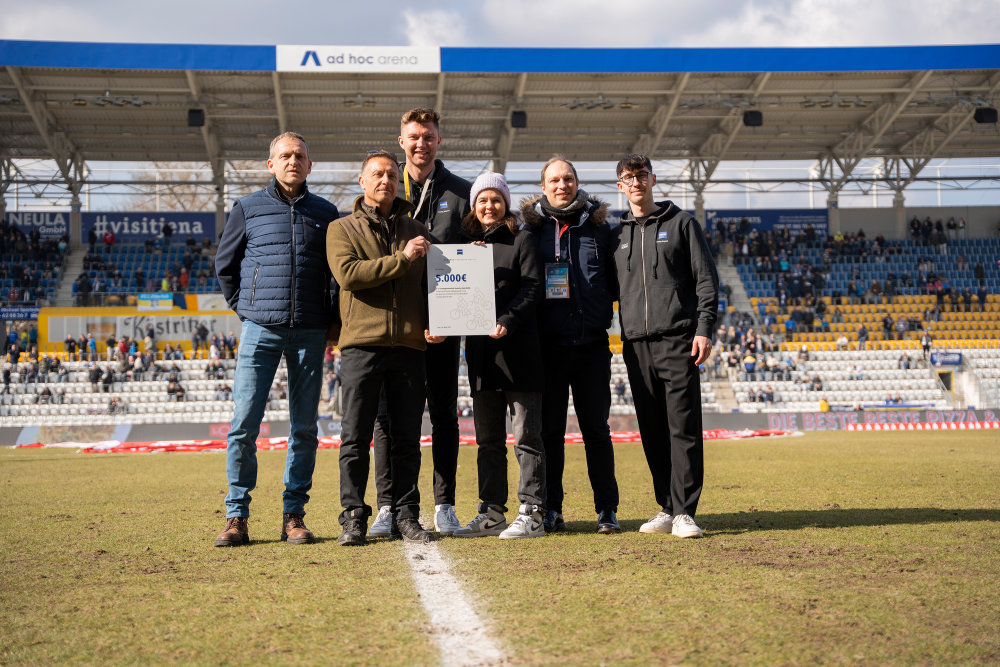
272,268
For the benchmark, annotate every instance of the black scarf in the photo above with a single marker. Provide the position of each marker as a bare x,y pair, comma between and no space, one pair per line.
573,210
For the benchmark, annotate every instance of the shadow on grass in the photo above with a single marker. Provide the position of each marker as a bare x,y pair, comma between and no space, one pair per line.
743,522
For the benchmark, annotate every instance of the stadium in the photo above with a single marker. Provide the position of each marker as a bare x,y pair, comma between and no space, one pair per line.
868,331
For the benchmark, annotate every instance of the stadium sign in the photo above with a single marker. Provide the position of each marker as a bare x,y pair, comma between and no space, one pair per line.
865,420
762,220
18,313
138,226
940,358
359,59
155,301
173,327
51,225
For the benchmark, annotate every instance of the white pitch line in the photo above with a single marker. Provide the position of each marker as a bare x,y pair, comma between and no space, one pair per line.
459,632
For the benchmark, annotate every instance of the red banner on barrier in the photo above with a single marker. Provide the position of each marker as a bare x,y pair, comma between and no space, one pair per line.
332,442
927,426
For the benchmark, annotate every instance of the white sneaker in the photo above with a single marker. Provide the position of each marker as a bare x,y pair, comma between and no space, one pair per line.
445,521
527,524
382,526
684,526
661,523
490,522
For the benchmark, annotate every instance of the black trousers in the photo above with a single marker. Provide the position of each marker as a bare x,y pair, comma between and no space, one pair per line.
490,414
587,370
667,395
365,372
441,361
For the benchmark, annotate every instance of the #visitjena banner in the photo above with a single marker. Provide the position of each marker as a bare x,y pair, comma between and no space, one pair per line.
460,299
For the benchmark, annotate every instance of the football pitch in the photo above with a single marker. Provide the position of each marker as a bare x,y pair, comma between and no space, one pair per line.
868,548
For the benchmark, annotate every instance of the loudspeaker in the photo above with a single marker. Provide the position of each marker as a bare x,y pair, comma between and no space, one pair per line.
518,119
753,118
196,117
985,115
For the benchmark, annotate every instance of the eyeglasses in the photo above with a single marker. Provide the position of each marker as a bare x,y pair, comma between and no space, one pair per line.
641,177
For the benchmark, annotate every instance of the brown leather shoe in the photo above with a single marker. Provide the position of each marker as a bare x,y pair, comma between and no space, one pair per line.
234,534
293,529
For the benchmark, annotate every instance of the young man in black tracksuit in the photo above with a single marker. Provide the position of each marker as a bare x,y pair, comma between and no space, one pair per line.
440,201
575,244
668,302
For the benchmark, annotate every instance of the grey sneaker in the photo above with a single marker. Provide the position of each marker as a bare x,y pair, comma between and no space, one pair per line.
490,522
352,533
684,526
411,531
527,524
661,523
445,521
382,525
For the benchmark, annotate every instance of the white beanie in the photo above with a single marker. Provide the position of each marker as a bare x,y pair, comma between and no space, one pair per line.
490,181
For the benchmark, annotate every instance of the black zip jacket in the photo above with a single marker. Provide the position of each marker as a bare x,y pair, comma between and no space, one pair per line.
513,362
444,206
667,279
586,246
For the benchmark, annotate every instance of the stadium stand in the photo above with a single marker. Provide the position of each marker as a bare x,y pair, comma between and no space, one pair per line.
30,267
116,272
828,288
818,291
864,379
986,364
79,400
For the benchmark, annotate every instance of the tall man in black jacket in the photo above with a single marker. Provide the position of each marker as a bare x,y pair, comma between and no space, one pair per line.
668,303
440,200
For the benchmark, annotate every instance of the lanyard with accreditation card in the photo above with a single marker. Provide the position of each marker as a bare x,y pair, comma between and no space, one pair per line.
557,273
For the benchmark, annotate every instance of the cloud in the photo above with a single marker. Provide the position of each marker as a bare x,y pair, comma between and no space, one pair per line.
853,23
555,23
587,23
56,22
434,28
595,23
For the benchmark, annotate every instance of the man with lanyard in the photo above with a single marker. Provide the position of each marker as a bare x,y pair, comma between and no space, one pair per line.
575,242
668,306
440,200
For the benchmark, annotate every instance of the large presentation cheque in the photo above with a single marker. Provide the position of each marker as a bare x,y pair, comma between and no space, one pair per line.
460,290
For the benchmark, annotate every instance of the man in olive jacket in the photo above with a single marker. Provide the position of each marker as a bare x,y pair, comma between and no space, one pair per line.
378,256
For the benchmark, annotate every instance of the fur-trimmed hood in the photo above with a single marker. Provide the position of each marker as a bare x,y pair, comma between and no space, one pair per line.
597,210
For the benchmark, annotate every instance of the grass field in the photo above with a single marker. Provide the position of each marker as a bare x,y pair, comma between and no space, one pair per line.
868,548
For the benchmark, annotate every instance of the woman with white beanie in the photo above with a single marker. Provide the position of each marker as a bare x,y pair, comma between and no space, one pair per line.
505,369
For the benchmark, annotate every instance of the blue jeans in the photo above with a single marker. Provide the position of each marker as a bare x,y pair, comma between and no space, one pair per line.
261,349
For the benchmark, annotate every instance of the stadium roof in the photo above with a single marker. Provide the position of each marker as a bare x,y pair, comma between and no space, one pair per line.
79,102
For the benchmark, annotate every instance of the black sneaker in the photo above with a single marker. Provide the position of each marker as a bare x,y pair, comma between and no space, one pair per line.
553,522
607,523
353,534
411,531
